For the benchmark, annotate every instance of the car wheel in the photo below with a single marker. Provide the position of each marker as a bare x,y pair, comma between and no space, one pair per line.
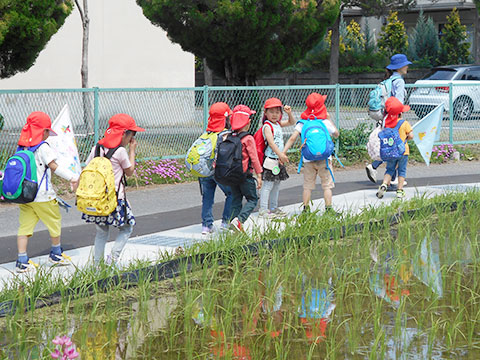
462,108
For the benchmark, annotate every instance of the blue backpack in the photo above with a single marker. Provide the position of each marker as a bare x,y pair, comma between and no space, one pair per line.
20,184
378,96
392,146
317,143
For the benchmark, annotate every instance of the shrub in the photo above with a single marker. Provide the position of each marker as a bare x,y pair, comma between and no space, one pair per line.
454,45
393,38
424,45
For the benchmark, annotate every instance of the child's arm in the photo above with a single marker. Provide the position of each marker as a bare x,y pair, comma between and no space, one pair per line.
290,141
269,136
64,174
291,119
249,144
335,134
410,135
131,156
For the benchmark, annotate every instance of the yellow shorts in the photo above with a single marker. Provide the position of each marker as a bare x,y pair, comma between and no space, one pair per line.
48,212
314,168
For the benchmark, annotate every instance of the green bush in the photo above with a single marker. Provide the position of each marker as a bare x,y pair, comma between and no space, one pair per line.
352,143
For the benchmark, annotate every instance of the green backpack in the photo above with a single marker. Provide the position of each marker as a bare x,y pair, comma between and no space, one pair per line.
201,155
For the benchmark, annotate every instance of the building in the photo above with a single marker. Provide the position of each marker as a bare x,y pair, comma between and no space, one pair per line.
437,10
125,50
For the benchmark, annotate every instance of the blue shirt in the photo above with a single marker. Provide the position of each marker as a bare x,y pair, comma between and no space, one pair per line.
398,87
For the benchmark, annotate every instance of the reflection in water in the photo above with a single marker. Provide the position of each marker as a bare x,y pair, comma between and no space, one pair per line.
426,266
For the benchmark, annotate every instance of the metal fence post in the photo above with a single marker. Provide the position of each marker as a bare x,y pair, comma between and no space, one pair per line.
205,107
450,113
337,113
95,114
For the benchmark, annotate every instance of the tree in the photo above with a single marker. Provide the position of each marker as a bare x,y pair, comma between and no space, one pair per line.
243,39
476,38
369,8
424,45
453,43
26,26
85,36
393,38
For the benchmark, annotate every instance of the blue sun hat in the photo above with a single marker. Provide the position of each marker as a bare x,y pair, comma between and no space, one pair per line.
398,61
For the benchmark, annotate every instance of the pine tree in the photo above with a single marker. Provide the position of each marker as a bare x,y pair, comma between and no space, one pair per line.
244,39
454,45
369,40
393,38
26,26
424,45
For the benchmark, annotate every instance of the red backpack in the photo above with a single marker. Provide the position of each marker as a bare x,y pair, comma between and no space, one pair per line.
261,142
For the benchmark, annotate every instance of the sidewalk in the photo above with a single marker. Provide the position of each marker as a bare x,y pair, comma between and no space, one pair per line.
174,197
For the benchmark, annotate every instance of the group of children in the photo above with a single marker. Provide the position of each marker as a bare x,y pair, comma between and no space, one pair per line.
269,171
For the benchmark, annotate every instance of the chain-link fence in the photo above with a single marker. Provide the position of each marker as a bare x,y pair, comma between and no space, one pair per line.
174,118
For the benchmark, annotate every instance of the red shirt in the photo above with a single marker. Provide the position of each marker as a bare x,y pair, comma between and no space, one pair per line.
249,155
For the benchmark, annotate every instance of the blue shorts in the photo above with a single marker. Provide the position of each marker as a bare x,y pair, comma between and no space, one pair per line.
400,164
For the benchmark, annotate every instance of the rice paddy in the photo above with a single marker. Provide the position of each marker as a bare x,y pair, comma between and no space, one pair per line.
402,285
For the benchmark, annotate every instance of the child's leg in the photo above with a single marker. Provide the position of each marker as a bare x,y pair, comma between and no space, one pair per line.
227,208
208,186
236,200
265,194
327,183
387,178
273,203
122,238
27,219
249,190
402,171
101,238
309,177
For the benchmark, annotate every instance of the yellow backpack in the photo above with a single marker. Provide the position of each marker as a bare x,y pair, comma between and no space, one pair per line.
96,193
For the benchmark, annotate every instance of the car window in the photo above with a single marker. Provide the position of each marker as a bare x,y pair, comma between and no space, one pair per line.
472,75
440,74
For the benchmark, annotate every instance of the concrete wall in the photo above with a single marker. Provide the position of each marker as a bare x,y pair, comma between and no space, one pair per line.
126,50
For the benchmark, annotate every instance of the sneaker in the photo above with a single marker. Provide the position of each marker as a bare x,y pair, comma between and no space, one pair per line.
381,190
236,225
400,194
207,230
279,213
395,182
267,214
22,267
371,173
61,259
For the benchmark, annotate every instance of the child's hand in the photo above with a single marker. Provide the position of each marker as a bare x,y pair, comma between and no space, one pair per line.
287,109
259,181
133,144
74,184
283,158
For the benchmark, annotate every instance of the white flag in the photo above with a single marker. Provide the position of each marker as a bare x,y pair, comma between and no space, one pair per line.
427,131
65,143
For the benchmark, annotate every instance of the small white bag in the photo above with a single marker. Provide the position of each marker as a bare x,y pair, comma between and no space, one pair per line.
373,144
272,165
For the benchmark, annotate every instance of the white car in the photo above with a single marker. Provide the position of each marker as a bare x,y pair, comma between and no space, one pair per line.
465,91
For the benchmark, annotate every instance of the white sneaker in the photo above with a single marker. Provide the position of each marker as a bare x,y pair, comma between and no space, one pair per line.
371,173
267,214
395,182
279,213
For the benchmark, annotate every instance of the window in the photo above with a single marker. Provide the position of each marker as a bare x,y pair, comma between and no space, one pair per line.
473,74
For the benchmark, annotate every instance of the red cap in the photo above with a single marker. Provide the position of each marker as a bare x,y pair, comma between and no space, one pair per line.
272,102
315,107
394,107
117,125
32,132
218,113
241,116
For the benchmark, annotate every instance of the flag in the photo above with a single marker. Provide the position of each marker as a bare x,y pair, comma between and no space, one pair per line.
427,131
64,143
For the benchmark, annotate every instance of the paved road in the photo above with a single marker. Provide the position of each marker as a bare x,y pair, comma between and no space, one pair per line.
172,206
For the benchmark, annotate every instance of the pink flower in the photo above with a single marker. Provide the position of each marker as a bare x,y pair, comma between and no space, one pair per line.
67,350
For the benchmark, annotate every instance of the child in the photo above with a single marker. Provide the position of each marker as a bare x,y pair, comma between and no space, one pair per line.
315,107
394,110
241,123
397,69
216,123
45,206
274,169
121,132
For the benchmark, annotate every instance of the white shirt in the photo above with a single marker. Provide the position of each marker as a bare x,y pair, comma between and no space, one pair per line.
328,124
44,155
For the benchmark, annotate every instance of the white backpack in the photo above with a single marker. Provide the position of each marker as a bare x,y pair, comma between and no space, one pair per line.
373,144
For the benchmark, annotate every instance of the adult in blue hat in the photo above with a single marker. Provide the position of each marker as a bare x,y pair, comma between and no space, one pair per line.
396,70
